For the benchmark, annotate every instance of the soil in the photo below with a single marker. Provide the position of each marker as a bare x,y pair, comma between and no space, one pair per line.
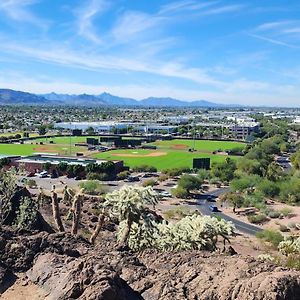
179,146
65,267
275,223
152,154
46,149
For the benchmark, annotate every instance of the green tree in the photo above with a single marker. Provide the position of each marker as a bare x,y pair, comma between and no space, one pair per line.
224,170
189,182
42,129
235,199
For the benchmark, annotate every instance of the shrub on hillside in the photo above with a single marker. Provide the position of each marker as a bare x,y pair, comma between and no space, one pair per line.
180,192
149,182
144,168
257,219
93,187
272,236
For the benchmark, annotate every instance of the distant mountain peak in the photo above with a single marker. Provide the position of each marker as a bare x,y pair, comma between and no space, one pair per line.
8,96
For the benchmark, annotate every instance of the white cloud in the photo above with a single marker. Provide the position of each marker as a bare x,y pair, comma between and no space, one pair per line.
58,55
18,11
85,16
133,23
274,41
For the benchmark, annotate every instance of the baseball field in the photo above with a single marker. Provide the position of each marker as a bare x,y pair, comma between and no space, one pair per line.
169,154
172,154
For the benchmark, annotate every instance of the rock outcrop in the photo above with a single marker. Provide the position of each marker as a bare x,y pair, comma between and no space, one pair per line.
69,268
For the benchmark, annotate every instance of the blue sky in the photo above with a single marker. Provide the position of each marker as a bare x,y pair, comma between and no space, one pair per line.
245,52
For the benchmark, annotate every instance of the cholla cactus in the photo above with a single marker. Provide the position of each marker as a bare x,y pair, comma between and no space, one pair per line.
266,257
128,205
291,245
192,232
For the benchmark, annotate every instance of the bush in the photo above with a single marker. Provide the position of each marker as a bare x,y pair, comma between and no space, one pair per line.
176,171
178,213
123,175
31,183
93,187
98,176
272,236
283,228
203,174
189,182
144,168
163,177
274,214
149,182
286,211
257,219
180,192
269,188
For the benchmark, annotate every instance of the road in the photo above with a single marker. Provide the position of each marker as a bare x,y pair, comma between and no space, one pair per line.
203,206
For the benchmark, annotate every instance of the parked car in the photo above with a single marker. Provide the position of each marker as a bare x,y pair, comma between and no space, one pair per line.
43,174
165,194
30,174
213,208
210,198
132,179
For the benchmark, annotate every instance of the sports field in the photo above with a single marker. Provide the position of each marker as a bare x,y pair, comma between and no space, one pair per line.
171,154
28,149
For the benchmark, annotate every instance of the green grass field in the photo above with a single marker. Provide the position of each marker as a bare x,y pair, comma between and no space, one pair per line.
28,149
173,153
169,154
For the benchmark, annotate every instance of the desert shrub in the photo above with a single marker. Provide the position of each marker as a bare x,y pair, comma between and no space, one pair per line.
257,219
246,182
93,187
274,214
98,176
163,177
176,171
149,182
31,183
203,174
180,192
189,182
272,236
283,228
123,175
144,168
286,211
178,213
268,188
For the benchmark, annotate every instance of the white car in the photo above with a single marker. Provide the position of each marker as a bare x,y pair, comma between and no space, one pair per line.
43,174
165,194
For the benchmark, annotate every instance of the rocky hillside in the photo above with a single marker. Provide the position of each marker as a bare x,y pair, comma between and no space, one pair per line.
69,268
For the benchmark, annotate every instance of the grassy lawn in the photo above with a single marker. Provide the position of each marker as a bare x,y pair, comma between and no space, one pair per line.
17,132
201,145
174,153
28,149
65,140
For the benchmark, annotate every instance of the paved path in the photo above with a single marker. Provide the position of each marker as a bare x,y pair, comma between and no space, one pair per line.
203,206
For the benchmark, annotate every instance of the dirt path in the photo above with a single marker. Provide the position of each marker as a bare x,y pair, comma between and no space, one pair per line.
152,154
23,290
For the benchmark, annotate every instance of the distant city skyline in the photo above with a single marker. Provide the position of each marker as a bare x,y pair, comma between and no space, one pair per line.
243,52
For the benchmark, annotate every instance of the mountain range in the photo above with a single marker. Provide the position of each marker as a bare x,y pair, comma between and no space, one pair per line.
12,97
